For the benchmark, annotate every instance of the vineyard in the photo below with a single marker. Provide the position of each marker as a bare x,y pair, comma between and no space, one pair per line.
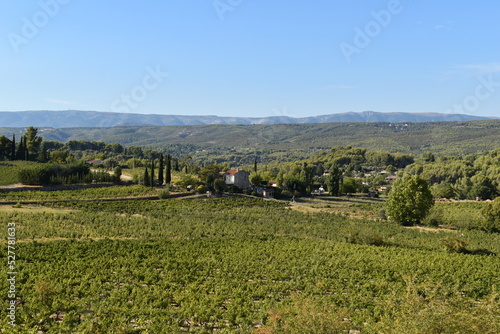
241,265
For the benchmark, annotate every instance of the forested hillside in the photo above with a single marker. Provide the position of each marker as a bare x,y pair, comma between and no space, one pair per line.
298,140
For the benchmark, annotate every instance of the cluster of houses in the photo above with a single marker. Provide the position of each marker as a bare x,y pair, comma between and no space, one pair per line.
241,179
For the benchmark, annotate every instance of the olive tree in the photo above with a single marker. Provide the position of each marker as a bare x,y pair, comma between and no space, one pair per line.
410,200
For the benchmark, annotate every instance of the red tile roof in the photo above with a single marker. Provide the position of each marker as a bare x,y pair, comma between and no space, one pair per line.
234,171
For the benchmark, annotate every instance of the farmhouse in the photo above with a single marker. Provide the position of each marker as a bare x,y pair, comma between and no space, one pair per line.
238,178
391,178
94,161
268,193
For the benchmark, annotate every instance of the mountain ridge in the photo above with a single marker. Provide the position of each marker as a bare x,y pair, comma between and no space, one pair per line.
79,118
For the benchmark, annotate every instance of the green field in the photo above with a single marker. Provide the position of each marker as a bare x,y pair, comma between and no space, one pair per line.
243,265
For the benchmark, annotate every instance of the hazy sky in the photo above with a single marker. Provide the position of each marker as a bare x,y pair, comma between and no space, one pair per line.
250,58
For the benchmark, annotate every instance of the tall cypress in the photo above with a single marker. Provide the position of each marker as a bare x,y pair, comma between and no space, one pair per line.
255,165
20,150
13,148
168,171
146,177
25,149
152,173
160,170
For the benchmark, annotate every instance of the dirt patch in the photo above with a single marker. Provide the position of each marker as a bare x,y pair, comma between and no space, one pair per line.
33,209
429,229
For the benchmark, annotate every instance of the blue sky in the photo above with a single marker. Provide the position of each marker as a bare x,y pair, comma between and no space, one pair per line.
250,58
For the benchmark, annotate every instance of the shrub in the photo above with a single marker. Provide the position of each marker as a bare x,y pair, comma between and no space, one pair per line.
435,217
36,176
164,194
382,214
364,238
454,245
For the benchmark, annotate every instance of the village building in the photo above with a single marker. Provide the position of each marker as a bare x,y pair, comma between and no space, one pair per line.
94,162
238,178
268,193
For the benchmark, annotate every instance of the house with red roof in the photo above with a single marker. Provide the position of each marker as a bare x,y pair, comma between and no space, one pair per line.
238,178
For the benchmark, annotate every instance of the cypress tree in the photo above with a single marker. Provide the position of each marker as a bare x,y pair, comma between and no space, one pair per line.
20,150
146,177
255,165
160,171
152,173
168,171
25,149
13,148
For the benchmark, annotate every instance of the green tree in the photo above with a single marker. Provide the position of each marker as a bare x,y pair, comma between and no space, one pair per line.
482,187
255,179
168,170
160,170
5,145
442,190
211,172
307,177
117,174
59,156
43,155
152,182
219,186
146,179
409,200
333,180
350,185
492,210
21,153
32,141
13,148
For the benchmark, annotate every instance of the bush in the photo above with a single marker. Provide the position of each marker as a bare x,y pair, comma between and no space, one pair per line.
492,210
201,189
36,176
164,194
382,214
364,238
491,213
57,174
454,245
435,217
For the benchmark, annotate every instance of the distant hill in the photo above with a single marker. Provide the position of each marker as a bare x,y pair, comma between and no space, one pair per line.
76,118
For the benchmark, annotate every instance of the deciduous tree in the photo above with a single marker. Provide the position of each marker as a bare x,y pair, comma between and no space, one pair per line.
409,200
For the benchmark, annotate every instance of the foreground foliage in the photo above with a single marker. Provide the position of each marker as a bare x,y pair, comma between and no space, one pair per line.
240,265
